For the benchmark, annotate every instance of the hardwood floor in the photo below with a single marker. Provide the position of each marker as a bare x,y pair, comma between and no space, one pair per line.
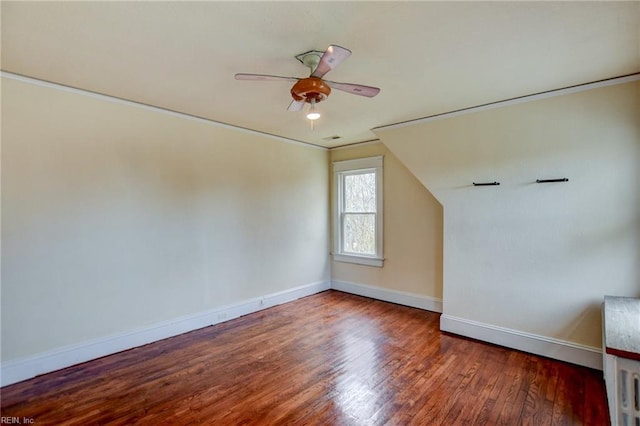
328,359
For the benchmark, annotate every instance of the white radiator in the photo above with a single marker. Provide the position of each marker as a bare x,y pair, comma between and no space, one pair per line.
621,356
623,388
628,392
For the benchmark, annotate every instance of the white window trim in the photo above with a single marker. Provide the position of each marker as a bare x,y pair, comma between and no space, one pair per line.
339,167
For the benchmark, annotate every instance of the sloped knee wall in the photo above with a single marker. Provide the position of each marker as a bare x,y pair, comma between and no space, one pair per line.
526,257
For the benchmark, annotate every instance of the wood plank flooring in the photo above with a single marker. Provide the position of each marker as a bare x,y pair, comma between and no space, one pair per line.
328,359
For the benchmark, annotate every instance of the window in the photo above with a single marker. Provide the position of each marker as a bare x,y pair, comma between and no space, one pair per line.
358,211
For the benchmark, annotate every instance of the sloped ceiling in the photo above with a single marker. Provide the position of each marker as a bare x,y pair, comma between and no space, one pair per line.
428,57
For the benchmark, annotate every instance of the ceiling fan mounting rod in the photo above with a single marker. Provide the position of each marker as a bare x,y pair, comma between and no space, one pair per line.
310,59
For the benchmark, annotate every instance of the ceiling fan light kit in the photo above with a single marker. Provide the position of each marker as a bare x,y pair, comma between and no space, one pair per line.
313,114
314,89
311,88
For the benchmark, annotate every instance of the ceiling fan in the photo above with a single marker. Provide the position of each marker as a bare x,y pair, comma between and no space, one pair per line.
314,89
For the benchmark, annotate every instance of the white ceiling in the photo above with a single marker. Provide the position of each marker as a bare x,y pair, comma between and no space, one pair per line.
428,57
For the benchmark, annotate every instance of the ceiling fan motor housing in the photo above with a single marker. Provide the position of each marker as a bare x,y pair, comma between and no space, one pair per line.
310,88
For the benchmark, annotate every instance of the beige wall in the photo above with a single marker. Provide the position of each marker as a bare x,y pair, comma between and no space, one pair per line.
536,258
412,231
116,217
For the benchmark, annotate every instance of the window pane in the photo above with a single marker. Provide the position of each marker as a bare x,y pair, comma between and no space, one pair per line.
360,192
359,233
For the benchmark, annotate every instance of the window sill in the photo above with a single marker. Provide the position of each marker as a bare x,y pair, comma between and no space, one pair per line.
360,260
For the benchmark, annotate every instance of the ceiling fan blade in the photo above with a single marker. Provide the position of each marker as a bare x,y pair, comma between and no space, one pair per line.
354,89
295,105
263,77
333,56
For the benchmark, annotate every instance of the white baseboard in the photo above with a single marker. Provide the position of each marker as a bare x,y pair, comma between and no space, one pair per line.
401,298
562,350
22,369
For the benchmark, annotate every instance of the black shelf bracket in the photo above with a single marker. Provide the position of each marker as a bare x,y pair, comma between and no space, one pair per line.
552,180
486,183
